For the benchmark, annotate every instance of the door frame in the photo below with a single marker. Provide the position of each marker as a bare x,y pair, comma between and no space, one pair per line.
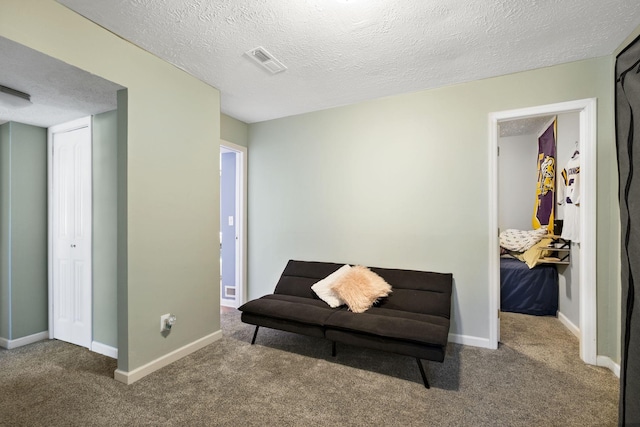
241,221
587,109
64,127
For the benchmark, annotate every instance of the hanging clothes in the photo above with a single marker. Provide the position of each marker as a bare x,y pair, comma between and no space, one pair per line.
569,196
544,208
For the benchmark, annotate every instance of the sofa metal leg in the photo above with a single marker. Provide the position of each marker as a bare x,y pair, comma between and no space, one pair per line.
333,348
424,376
255,334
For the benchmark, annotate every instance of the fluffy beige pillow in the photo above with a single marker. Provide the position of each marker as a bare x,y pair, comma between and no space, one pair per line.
360,288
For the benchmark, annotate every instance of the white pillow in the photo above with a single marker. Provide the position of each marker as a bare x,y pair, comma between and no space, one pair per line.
323,287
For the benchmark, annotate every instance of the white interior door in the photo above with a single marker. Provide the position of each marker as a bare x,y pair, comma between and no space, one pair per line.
71,232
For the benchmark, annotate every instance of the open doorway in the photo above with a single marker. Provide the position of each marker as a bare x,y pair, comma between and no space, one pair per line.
539,282
586,110
233,178
59,93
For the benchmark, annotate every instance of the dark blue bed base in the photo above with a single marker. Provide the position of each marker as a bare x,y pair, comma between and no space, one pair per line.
528,291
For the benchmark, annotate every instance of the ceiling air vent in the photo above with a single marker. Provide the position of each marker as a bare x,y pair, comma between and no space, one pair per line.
265,60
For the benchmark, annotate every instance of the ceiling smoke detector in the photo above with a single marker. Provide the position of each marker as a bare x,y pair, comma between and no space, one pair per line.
263,58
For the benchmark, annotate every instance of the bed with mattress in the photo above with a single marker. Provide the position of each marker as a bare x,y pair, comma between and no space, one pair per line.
528,271
528,290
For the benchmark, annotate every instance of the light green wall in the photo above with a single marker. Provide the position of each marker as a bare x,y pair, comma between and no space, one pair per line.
172,178
403,182
234,130
105,228
24,230
29,230
5,170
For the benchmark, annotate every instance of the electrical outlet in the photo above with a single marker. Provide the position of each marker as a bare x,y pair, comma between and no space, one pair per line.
163,322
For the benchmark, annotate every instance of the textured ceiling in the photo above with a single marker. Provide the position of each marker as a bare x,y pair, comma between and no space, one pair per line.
337,51
342,52
527,126
59,92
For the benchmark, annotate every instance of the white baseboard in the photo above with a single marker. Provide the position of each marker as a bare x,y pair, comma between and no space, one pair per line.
132,376
228,303
606,362
470,340
569,324
19,342
104,349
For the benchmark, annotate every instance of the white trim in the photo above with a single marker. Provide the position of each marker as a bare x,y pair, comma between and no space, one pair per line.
494,238
104,349
71,126
606,362
19,342
50,228
587,267
470,340
569,325
144,370
588,188
241,222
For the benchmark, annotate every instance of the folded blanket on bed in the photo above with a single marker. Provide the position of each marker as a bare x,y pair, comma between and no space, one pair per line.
534,254
521,240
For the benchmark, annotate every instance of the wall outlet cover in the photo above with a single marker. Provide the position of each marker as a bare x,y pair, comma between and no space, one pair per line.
163,322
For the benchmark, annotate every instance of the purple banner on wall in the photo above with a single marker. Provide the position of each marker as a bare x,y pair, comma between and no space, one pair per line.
543,213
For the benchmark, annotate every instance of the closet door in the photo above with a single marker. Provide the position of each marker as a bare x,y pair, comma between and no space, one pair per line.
71,233
628,145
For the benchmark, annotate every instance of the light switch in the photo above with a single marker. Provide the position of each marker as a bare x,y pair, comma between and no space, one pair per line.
231,221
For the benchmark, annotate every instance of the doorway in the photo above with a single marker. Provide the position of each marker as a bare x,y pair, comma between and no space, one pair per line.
587,263
70,232
233,178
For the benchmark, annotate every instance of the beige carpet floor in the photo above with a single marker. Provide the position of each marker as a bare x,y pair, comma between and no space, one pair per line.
535,378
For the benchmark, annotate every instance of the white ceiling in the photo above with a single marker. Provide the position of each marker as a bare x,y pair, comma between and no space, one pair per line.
337,51
526,126
341,52
59,92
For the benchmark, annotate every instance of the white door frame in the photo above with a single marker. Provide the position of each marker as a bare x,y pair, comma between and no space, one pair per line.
241,220
64,127
587,265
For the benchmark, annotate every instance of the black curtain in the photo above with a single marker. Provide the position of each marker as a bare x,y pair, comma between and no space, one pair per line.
628,144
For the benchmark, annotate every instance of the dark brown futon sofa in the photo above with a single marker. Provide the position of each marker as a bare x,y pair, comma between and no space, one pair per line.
413,320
